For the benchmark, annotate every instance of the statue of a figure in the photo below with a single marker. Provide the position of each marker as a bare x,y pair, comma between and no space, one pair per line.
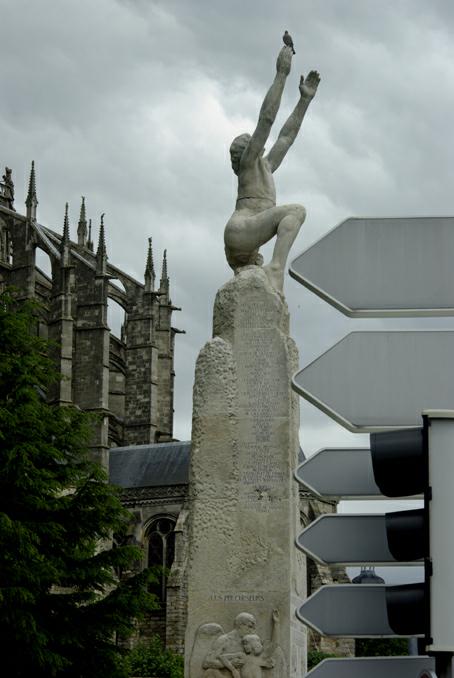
240,653
256,218
9,187
227,651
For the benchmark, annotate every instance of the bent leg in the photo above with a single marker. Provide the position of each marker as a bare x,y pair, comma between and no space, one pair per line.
248,232
287,231
245,233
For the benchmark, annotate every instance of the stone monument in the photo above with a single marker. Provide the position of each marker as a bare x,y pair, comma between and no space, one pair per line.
245,577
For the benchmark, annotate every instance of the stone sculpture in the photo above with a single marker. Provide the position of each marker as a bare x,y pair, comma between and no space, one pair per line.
9,187
240,653
256,218
243,500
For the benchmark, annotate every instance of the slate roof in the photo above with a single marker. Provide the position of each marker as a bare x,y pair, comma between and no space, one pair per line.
160,464
150,465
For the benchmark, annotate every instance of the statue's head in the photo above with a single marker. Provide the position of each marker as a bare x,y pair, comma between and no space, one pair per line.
237,148
245,623
252,644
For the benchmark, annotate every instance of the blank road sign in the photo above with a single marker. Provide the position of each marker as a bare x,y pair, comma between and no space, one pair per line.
371,381
340,472
383,266
348,539
350,610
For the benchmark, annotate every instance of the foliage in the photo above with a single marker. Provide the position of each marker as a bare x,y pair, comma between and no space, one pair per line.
61,604
381,647
314,657
152,659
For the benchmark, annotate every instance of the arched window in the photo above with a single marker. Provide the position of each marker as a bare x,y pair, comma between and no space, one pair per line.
161,551
43,262
115,317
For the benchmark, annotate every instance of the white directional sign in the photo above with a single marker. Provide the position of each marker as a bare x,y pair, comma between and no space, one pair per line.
383,266
339,472
379,380
347,610
336,472
348,539
373,667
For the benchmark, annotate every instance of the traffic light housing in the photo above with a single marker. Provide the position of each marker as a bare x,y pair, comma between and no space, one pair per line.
421,462
400,467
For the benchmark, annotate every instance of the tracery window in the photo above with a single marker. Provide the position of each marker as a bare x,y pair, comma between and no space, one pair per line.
161,551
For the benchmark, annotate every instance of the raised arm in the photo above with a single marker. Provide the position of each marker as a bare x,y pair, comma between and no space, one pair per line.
269,107
288,133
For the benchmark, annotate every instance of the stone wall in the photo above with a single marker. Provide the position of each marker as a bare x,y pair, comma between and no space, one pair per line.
244,512
120,380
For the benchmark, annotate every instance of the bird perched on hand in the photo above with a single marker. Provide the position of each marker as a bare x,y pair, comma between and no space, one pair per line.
287,38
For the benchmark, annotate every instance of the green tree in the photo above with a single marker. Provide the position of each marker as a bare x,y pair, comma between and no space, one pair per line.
152,659
381,647
314,657
61,604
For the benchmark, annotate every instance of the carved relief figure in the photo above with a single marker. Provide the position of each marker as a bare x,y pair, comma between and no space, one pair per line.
254,660
227,651
240,653
258,658
256,218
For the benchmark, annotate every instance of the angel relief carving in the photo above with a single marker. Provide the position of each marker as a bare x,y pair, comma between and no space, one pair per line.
240,653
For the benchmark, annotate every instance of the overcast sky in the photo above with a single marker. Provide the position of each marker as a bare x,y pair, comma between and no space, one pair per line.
134,103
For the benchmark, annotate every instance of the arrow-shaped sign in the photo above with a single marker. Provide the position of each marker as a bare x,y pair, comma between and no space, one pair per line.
383,267
336,472
349,610
339,472
371,381
373,667
348,539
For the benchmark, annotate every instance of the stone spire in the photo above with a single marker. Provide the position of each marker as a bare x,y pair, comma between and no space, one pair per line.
101,253
149,269
31,201
82,225
65,242
164,276
89,240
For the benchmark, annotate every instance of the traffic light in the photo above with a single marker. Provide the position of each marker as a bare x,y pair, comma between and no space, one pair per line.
415,462
401,463
401,469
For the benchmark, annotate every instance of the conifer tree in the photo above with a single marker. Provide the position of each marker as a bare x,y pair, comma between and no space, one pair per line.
62,607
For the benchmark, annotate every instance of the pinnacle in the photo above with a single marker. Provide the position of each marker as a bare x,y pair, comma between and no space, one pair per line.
164,276
82,218
101,252
149,269
89,240
31,195
66,226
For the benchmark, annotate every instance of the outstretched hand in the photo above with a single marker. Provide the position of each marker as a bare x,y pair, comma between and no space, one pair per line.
308,86
284,60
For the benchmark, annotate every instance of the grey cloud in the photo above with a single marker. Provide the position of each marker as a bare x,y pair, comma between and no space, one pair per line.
134,103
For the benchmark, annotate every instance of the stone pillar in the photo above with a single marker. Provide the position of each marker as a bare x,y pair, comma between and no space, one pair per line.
91,357
23,271
165,339
141,372
244,505
61,331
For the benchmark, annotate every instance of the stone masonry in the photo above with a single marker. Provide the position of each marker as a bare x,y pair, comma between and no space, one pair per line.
127,381
244,574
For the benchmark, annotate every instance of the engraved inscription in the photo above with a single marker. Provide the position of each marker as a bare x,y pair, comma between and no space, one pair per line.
238,597
263,398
